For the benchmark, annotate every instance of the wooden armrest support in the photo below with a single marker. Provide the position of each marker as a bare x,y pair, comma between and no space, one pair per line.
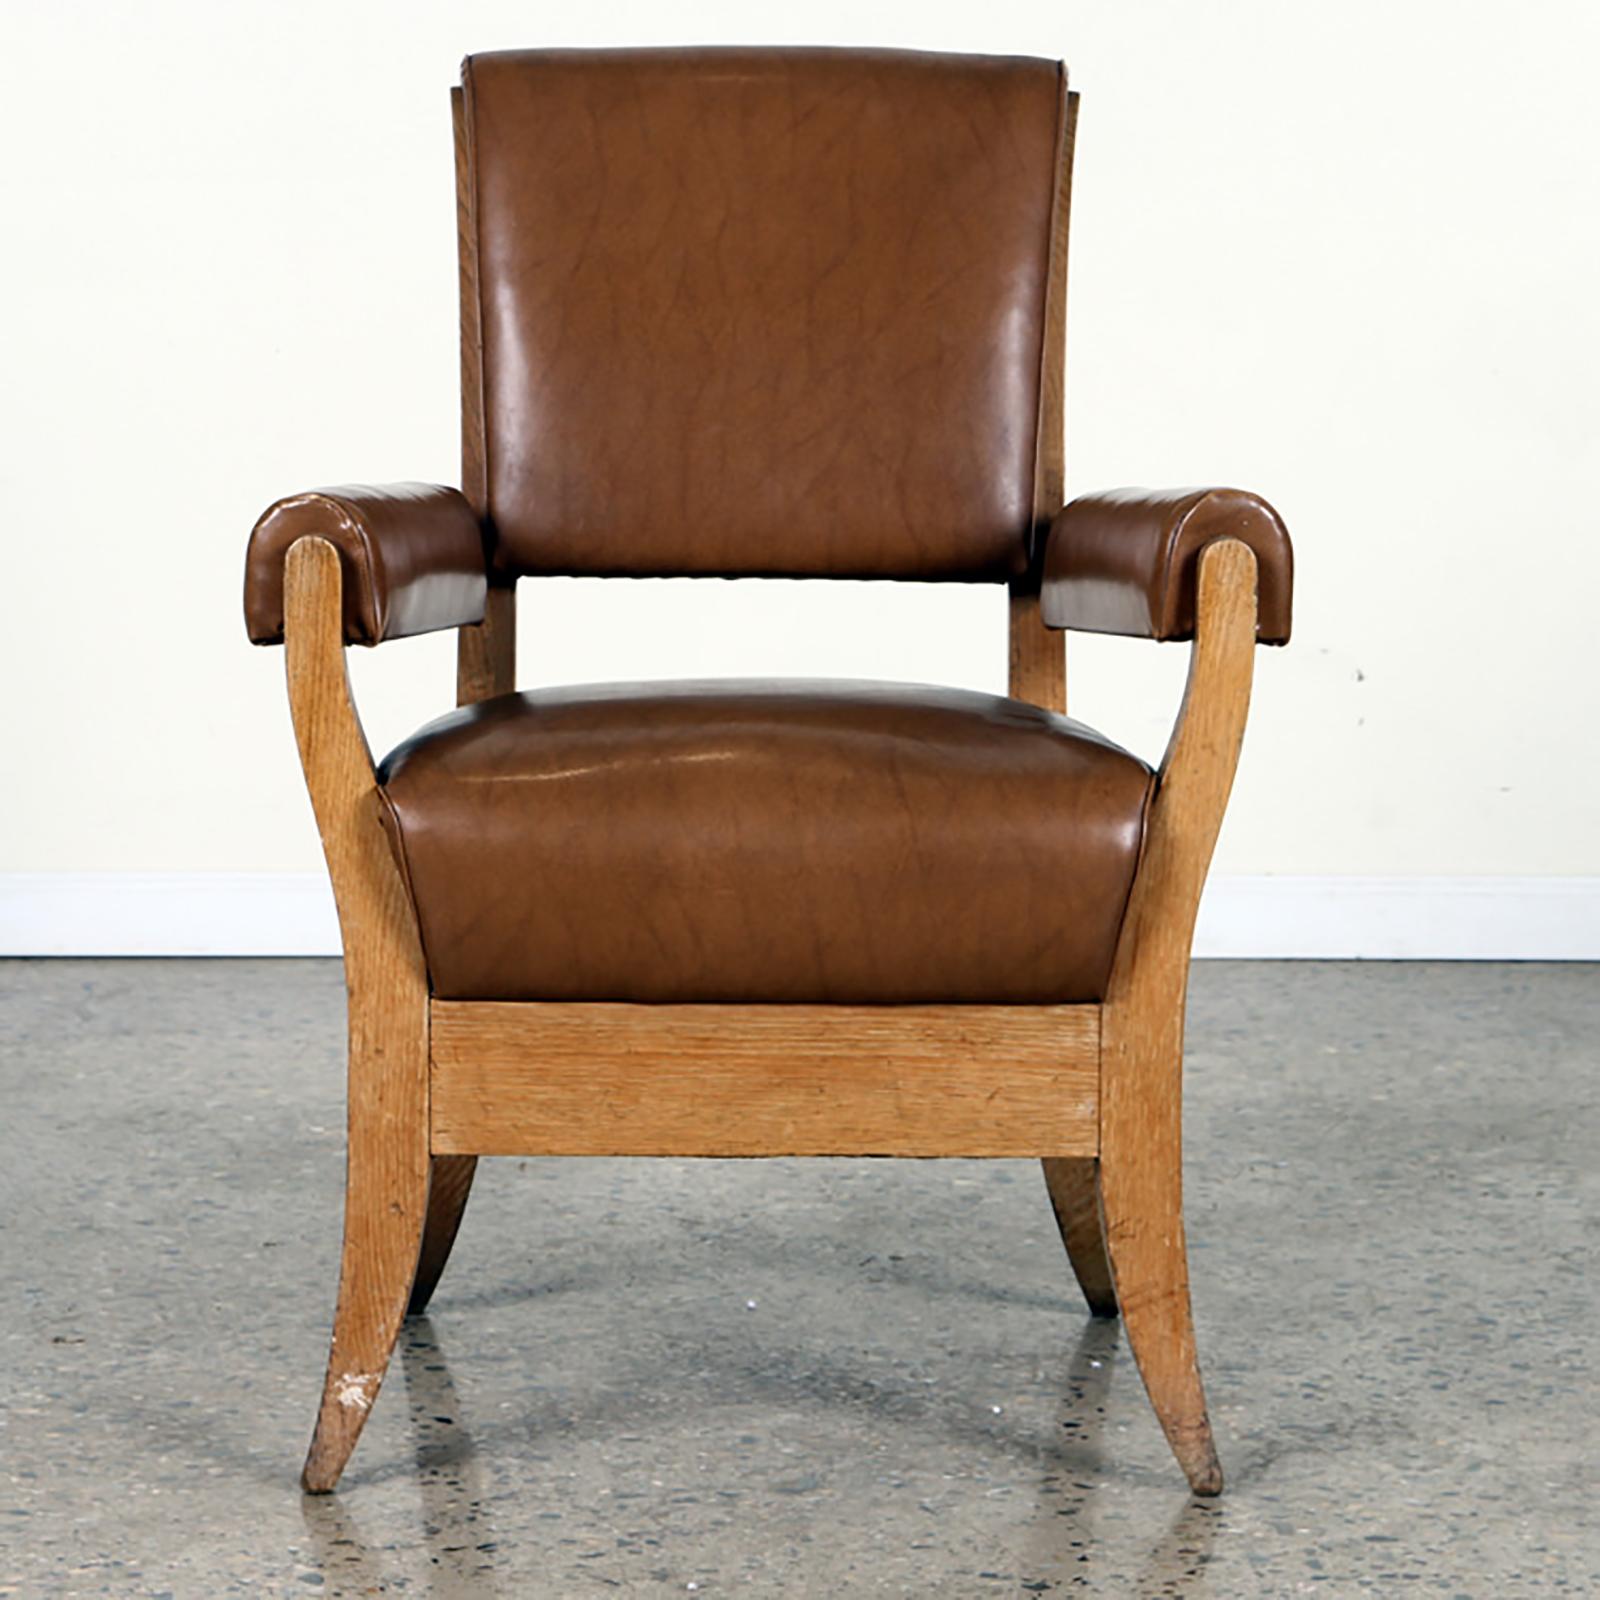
1140,1165
1127,561
411,553
381,943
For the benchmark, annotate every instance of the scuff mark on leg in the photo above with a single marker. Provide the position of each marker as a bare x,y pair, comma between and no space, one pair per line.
357,1389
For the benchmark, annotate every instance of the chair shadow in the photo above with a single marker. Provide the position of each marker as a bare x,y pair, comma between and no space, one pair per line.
1082,1412
1175,1563
456,1534
458,1540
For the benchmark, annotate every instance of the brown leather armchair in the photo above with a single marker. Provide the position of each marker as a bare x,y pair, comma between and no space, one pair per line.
746,313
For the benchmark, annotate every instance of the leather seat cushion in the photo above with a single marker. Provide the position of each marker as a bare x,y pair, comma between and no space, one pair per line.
765,842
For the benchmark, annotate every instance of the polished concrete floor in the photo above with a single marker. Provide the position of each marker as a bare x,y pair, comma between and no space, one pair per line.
807,1378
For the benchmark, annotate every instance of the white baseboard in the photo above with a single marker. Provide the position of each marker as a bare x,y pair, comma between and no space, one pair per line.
291,914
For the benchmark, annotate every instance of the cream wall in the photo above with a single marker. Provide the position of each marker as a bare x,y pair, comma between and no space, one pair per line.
1346,255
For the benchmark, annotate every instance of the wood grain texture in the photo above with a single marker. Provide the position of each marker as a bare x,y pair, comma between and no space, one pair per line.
486,655
386,1175
474,451
1073,1184
1141,1156
449,1184
1050,476
1038,655
613,1079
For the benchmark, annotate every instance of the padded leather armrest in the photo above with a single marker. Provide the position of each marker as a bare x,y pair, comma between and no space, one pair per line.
1126,561
411,555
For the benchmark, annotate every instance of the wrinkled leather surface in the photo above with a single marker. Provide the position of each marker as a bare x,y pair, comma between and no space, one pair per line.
750,842
411,555
1127,561
762,311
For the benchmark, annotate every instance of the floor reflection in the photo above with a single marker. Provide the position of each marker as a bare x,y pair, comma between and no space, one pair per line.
1090,1522
339,1551
1087,1529
455,1523
1176,1564
1082,1415
455,1531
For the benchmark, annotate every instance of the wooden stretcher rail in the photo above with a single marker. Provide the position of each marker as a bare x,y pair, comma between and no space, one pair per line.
707,1080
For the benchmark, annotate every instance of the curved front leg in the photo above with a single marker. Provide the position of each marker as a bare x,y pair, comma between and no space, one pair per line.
1142,1192
386,1174
1141,1049
385,1206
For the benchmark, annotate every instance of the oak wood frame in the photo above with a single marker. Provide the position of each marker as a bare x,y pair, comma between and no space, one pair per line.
1092,1090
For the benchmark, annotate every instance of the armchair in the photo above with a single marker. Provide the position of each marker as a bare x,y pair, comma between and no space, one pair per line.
749,313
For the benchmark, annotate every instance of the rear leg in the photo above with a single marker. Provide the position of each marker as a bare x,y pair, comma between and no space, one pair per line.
1074,1185
449,1184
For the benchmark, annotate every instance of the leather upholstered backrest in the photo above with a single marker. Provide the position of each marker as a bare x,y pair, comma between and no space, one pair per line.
759,311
